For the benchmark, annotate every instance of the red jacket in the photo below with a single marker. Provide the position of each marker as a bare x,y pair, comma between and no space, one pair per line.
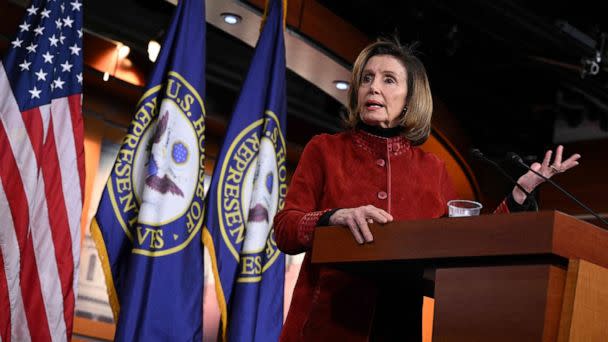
346,170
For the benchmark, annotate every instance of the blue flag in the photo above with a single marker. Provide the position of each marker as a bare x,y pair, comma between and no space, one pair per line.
247,189
148,225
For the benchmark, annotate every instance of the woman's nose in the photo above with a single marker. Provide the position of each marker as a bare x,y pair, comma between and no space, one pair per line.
373,88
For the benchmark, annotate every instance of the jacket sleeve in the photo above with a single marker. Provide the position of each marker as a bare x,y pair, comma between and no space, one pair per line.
503,208
508,205
294,225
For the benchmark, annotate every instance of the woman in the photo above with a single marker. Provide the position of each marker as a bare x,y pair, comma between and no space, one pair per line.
372,173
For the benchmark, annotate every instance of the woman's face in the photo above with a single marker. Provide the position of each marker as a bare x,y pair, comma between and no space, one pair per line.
382,92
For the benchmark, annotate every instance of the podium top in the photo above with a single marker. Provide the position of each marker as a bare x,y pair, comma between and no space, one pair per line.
541,233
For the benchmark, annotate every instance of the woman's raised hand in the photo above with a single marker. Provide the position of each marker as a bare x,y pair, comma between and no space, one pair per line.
547,168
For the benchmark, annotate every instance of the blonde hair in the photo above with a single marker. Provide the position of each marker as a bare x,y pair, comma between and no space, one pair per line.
416,121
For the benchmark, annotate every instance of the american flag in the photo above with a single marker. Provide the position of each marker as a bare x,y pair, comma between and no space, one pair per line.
41,173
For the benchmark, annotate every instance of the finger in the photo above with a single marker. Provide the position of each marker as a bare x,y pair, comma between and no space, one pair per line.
573,158
379,215
389,217
536,166
531,179
557,161
568,164
354,229
539,168
364,228
547,159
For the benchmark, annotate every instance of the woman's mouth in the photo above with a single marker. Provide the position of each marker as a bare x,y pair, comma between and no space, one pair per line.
373,105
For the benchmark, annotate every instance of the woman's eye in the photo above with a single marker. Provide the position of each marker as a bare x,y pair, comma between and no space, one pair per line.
366,79
389,80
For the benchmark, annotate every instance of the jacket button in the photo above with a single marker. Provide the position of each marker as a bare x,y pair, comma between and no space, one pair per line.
380,162
382,195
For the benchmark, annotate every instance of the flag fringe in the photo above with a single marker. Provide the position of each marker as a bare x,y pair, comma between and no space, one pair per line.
219,292
105,265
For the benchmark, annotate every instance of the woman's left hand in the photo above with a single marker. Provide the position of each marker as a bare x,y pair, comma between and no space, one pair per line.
530,180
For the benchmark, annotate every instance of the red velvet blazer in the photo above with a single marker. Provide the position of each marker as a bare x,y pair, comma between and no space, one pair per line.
346,170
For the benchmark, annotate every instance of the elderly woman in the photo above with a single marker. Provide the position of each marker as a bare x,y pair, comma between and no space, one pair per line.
373,172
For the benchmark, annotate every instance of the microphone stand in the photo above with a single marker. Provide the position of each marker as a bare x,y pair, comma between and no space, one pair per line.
517,159
477,154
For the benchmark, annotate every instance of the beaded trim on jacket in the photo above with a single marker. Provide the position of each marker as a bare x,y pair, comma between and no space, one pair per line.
377,144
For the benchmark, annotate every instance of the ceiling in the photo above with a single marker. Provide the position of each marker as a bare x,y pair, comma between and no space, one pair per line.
511,71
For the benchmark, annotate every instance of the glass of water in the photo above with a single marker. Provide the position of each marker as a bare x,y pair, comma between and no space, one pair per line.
460,208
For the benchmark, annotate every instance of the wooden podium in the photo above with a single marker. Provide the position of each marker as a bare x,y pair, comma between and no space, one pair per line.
533,276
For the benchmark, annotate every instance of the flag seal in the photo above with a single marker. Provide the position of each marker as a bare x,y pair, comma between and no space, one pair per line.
159,205
251,189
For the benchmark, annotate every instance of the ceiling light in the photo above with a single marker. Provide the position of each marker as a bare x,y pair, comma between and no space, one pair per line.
231,18
153,50
341,85
123,51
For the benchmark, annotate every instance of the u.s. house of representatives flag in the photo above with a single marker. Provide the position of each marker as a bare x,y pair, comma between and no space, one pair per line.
41,172
148,225
247,189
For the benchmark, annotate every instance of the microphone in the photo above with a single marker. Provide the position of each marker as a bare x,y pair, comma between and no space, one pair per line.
518,160
478,155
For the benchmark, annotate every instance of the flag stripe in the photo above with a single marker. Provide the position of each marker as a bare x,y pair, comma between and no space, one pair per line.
58,219
74,150
42,173
38,259
17,321
45,116
12,260
44,252
18,204
70,148
37,125
77,126
44,204
5,307
34,125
